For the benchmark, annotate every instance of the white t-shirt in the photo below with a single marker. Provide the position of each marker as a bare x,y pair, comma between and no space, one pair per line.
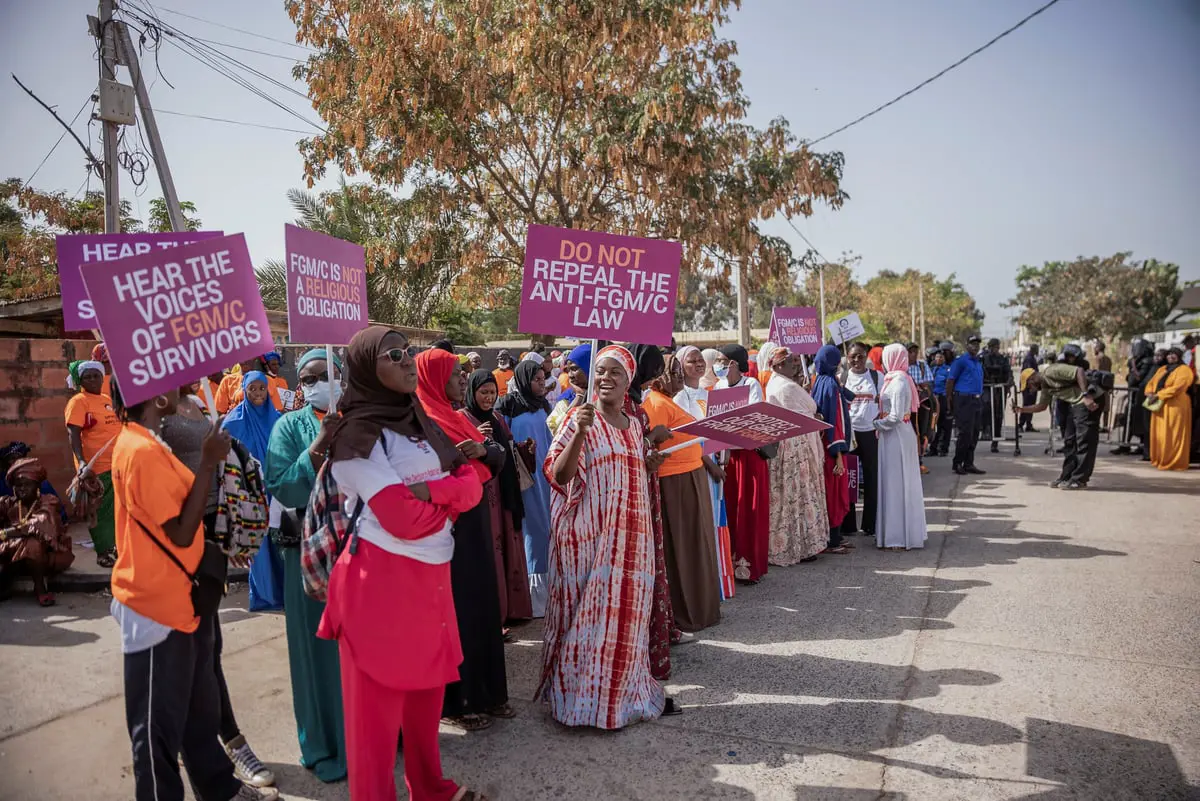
865,406
693,401
405,462
756,390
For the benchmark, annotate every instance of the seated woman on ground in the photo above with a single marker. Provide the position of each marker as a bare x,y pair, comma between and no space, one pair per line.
33,536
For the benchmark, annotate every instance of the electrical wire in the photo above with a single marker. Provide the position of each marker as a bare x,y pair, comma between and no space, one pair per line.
224,64
230,122
247,49
231,28
811,246
930,80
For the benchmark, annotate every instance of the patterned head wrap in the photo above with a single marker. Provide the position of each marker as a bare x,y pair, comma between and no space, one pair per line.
27,468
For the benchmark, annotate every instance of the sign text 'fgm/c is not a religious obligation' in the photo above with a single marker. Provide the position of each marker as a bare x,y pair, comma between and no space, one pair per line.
327,287
172,317
588,284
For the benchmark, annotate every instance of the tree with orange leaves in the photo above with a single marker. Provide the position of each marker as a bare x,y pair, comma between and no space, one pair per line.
618,116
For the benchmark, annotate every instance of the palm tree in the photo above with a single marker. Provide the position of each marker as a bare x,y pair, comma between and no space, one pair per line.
412,260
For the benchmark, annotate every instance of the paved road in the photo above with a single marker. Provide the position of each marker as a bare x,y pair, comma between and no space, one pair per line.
1043,646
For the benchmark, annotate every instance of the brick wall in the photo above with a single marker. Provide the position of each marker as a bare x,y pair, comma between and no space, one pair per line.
33,399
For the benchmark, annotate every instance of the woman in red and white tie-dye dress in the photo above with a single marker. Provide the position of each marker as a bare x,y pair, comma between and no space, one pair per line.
596,659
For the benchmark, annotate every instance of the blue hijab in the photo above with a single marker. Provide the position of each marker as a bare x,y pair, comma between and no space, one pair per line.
249,424
581,356
832,398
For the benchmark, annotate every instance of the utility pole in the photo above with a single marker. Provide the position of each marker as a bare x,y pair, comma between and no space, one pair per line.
743,306
821,284
118,107
166,182
921,297
912,326
108,72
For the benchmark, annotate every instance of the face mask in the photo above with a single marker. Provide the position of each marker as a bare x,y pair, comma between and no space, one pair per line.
319,395
721,372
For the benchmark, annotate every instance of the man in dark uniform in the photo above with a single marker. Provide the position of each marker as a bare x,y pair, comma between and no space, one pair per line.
996,372
964,388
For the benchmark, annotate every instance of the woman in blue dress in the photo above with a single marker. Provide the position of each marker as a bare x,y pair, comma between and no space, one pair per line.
525,410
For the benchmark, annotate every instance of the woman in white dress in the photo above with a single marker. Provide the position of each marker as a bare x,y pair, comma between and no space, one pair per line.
900,524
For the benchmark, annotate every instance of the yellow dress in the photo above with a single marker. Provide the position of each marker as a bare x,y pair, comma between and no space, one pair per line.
1171,426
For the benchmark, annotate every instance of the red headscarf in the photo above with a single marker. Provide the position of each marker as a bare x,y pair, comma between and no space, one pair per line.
434,368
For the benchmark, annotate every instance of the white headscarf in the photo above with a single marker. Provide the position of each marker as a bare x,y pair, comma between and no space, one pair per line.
535,357
764,356
710,378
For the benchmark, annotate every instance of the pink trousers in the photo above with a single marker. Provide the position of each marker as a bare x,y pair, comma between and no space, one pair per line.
374,717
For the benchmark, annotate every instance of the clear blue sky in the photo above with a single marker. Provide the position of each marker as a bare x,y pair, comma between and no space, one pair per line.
1075,135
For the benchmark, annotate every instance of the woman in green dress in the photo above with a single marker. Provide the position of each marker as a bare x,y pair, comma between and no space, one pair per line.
295,454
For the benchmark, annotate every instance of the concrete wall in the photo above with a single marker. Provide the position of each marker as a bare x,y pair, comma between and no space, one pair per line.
33,399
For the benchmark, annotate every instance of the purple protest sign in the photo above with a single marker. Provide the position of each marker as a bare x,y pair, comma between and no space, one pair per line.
852,475
753,426
326,287
74,250
719,402
170,317
796,328
594,285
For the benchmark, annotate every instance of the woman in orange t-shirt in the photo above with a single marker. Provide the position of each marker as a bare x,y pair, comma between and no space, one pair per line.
689,539
92,427
171,696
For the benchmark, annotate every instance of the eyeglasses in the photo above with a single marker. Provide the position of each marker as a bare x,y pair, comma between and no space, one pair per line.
313,380
397,355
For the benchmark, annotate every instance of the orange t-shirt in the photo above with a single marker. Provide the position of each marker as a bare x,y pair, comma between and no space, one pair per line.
98,424
149,487
502,379
106,389
663,411
229,386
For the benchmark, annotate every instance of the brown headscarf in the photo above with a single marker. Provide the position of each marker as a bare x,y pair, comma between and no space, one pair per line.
368,407
28,468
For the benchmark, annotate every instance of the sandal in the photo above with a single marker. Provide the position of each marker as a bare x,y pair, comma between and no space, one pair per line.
671,709
508,636
470,722
46,599
464,794
106,560
504,711
838,549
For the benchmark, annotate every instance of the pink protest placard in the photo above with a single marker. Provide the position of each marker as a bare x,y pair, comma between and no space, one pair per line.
326,287
852,475
719,402
754,426
796,328
74,250
594,285
170,317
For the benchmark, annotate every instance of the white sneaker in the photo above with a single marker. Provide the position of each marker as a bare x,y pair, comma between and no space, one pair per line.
248,793
247,767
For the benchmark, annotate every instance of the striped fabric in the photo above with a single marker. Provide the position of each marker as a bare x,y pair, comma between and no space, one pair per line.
921,372
596,657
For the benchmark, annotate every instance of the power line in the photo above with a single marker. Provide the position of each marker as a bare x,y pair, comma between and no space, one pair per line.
230,122
930,80
811,246
247,49
231,28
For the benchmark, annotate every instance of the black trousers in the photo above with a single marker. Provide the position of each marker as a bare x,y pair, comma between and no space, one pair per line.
229,725
945,427
867,451
1081,438
967,417
172,707
1028,398
993,412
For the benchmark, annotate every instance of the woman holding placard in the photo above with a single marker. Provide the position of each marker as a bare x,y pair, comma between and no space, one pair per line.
833,403
748,489
799,521
596,656
296,451
92,427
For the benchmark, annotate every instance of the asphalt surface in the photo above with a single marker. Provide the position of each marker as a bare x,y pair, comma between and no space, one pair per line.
1044,645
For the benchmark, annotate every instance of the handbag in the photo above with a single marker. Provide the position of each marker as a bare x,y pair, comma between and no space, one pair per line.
1154,404
208,582
524,473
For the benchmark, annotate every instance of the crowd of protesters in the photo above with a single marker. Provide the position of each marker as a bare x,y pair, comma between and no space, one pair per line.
468,502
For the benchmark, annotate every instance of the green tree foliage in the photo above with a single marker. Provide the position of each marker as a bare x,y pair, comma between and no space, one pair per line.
160,221
950,311
1096,297
412,254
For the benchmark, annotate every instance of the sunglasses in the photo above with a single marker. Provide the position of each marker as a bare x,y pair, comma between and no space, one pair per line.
397,355
313,380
